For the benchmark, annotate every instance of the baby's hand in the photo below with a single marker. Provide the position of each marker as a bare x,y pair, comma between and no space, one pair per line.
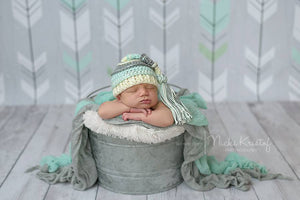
133,116
146,111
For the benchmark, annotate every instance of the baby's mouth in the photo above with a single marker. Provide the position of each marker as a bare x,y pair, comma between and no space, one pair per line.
146,101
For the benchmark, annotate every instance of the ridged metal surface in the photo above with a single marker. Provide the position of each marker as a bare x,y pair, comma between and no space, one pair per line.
136,168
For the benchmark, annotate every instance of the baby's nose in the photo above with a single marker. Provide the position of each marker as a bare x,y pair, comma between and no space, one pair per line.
143,91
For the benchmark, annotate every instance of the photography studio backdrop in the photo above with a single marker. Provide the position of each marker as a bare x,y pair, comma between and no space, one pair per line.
58,51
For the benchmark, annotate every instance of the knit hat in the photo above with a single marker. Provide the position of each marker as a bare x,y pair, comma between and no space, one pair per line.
135,69
132,71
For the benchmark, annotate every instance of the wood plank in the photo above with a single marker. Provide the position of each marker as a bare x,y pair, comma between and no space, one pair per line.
242,125
66,191
22,186
16,134
282,129
184,192
292,109
217,129
180,192
104,194
50,138
6,113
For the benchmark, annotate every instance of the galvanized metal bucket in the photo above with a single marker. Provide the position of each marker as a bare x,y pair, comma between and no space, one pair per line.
137,168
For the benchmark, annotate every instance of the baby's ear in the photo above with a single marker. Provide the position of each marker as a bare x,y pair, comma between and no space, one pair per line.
118,97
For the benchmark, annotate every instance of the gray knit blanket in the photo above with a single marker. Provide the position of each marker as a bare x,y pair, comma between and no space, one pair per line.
82,173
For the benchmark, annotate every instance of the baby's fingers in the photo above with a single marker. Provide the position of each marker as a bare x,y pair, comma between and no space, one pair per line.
149,111
146,112
125,116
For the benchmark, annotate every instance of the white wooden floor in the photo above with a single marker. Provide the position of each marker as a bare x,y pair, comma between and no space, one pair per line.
27,133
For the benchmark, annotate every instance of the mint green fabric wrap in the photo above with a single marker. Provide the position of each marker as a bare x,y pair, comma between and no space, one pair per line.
194,102
209,165
199,171
54,162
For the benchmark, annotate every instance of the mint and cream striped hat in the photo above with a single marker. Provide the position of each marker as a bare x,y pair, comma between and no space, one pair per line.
135,69
132,71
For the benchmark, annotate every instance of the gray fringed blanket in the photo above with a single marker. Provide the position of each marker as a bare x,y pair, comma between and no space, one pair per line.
197,168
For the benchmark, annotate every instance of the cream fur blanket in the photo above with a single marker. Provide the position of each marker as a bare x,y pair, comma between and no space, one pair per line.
133,132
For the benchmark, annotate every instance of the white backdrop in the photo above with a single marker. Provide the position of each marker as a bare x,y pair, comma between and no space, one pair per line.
57,51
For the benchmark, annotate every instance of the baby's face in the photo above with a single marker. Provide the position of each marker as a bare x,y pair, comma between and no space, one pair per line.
140,96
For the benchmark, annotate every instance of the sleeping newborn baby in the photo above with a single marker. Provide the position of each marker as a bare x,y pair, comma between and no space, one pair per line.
136,84
139,102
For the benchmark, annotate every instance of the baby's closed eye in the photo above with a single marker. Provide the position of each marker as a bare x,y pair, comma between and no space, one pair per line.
150,87
131,90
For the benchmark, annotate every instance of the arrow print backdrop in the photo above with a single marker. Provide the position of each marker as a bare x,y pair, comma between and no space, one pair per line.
227,50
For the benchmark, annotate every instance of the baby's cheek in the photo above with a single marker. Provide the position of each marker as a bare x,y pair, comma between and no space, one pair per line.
131,102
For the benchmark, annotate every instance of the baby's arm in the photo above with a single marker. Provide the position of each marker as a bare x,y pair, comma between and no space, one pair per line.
161,116
111,109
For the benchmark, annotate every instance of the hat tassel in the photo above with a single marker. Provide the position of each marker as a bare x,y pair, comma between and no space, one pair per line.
180,113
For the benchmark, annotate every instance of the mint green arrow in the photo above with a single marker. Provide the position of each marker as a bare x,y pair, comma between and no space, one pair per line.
296,55
214,17
109,71
210,55
74,6
83,63
114,3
